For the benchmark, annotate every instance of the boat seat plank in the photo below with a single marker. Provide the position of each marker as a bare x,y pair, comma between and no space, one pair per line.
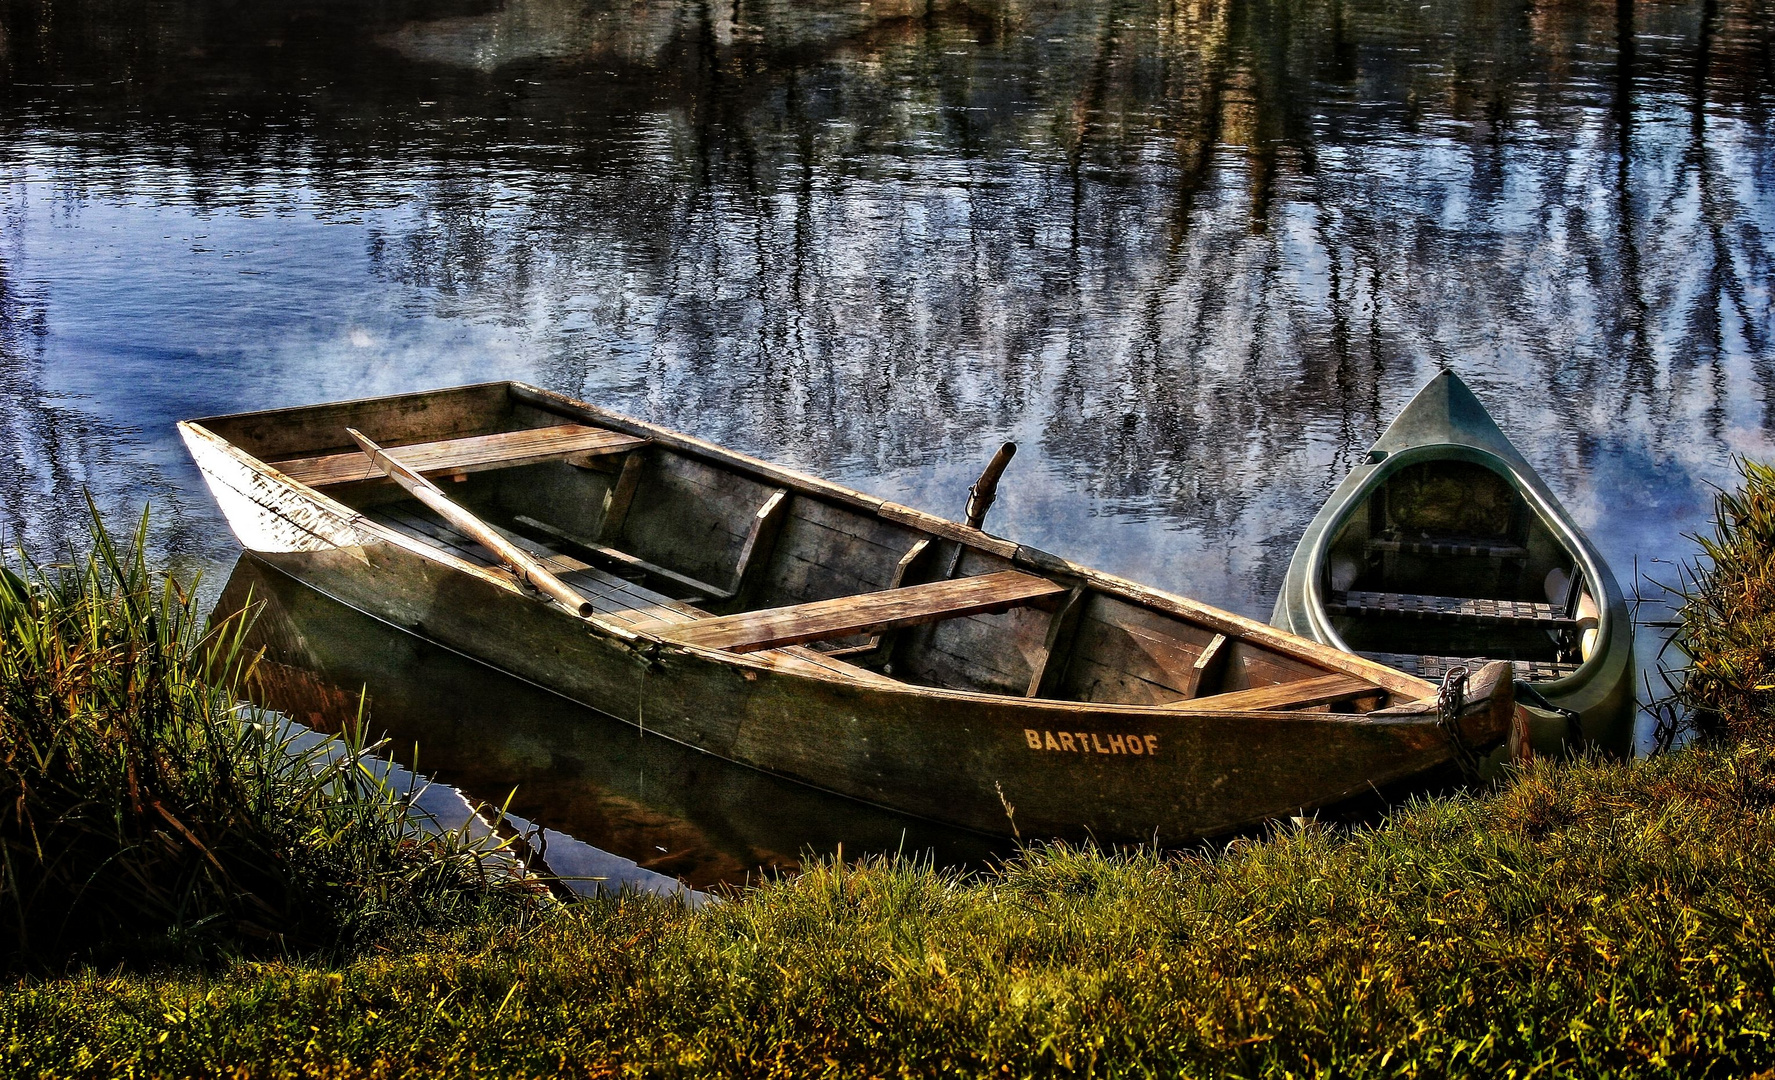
1302,694
613,598
1449,546
867,612
475,453
1449,608
1435,667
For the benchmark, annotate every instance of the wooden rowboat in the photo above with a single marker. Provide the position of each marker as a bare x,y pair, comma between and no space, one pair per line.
808,630
1446,546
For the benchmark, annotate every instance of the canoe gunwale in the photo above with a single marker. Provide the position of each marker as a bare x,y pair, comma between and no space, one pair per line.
1526,484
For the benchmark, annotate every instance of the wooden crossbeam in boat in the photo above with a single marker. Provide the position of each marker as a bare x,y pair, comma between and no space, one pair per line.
1449,608
613,598
866,612
474,453
1301,694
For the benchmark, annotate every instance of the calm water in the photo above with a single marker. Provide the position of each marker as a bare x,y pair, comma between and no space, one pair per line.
1191,256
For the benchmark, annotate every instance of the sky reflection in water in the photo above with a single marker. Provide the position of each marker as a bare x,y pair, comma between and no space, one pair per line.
1191,256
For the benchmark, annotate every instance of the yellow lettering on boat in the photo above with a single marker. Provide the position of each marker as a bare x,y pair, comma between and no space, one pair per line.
1086,742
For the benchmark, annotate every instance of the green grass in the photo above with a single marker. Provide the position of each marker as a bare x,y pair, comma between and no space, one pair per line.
1726,621
144,816
1593,919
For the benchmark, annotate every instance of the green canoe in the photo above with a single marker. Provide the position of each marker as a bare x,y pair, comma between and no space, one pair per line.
1444,546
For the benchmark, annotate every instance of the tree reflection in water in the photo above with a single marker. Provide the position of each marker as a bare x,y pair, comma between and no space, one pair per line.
1193,255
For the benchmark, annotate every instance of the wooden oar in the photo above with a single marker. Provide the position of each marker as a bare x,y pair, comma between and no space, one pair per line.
521,562
985,490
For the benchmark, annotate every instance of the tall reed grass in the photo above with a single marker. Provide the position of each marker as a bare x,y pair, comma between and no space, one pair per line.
145,815
1725,634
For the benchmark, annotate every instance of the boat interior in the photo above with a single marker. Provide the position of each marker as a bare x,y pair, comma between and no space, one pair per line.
706,548
1447,562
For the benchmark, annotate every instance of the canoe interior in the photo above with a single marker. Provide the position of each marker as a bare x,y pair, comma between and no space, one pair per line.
660,533
1446,561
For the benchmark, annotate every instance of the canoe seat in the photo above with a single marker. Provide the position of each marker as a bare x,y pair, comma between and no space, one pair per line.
1448,546
1435,667
1478,610
866,613
458,457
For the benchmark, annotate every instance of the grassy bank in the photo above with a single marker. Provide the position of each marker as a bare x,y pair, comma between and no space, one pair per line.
1594,919
1586,919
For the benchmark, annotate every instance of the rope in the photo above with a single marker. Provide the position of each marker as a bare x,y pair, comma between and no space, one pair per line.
1450,700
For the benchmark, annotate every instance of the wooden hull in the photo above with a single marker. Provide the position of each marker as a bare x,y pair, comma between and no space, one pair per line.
1113,772
1443,424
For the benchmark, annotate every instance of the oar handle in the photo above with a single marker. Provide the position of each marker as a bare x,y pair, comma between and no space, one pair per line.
985,489
519,561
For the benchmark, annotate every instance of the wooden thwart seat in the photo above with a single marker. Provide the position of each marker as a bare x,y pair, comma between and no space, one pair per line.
1301,694
866,612
474,453
612,598
1483,610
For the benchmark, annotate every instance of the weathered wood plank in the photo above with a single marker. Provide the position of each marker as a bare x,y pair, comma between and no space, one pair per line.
1089,682
1294,695
1210,667
827,550
755,553
404,418
619,498
500,450
1045,680
867,612
617,557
